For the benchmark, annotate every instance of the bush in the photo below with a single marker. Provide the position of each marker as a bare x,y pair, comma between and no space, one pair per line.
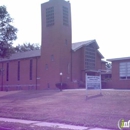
63,86
81,84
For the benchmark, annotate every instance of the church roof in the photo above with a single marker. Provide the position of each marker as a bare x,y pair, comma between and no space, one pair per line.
103,61
120,58
100,54
37,53
23,55
78,45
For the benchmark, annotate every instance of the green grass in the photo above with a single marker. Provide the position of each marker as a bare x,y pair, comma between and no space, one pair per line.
70,106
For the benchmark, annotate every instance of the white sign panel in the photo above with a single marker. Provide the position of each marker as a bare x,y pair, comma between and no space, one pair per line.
93,82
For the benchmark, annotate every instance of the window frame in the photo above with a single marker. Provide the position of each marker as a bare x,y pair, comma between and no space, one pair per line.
90,58
7,71
18,71
46,67
124,71
65,16
50,16
31,69
52,57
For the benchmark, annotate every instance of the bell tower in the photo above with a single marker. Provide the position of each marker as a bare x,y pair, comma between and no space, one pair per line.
56,43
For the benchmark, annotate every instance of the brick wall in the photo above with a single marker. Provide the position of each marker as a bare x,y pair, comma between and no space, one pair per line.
24,81
98,61
56,41
116,82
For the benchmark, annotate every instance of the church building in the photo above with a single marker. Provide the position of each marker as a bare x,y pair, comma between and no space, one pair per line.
58,60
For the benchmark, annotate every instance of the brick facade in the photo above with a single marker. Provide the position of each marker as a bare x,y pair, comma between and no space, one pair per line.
11,80
57,55
116,82
56,41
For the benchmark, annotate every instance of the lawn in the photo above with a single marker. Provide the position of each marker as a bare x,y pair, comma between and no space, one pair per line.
68,106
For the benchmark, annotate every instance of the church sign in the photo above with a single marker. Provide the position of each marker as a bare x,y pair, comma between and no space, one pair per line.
93,82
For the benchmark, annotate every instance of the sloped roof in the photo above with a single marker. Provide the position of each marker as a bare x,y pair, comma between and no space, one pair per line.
100,54
104,61
23,55
36,53
121,58
78,45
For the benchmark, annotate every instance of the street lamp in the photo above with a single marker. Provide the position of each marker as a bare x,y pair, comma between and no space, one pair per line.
61,80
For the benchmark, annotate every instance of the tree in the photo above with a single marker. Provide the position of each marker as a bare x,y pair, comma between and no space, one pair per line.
26,47
108,65
7,33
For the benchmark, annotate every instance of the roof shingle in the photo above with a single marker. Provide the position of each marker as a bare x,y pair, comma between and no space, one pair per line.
77,45
37,53
23,55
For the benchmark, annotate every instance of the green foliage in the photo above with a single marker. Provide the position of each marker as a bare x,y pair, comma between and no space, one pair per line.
108,65
7,33
26,47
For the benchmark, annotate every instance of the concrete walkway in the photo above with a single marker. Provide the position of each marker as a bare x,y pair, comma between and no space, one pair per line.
47,124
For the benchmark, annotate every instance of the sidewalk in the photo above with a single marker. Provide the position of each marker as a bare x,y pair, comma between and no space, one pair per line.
47,124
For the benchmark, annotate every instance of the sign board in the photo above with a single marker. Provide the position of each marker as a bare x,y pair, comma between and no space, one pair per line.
93,82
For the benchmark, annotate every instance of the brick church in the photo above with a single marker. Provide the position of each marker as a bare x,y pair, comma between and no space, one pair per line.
59,60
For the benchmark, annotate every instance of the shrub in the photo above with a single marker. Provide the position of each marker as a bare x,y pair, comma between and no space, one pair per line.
63,86
81,84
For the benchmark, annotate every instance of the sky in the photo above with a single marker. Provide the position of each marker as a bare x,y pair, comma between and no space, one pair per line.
106,21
